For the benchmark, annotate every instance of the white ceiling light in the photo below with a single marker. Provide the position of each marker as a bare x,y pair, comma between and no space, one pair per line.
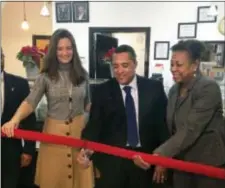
213,10
44,10
25,24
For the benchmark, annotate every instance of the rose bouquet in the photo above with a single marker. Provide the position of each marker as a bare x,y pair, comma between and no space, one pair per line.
31,55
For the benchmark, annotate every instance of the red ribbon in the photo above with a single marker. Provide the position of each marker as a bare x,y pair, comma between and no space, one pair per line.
195,168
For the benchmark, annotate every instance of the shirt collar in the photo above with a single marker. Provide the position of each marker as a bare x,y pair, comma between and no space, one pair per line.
132,84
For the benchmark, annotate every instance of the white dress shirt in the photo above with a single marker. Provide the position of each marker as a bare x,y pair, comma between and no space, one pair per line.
134,93
81,16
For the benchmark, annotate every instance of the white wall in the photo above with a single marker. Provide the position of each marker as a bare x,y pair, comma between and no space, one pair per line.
162,17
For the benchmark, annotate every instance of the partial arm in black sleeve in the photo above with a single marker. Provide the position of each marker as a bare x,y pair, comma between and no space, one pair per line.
94,124
30,122
160,115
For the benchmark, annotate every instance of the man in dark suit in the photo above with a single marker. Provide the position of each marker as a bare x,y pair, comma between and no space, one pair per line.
14,156
127,111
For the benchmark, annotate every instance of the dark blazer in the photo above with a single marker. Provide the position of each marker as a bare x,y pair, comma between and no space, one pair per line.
16,90
107,120
200,129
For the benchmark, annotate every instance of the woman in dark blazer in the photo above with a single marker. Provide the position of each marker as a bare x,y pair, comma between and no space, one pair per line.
194,117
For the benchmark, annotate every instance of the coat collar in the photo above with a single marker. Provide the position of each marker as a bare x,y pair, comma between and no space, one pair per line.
141,96
173,98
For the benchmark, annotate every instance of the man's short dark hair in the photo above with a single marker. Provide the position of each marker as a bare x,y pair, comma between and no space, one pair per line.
128,49
194,48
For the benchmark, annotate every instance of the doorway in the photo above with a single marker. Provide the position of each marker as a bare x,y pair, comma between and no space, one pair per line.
137,37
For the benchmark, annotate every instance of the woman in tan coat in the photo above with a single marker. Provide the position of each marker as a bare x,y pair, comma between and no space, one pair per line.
64,82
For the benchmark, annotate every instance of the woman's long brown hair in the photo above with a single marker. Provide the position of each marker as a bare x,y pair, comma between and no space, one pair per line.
51,65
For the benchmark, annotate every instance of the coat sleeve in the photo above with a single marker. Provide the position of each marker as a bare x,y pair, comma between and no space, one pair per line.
87,99
204,107
160,115
94,124
37,91
30,122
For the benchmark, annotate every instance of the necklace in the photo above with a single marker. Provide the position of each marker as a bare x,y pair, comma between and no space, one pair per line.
70,89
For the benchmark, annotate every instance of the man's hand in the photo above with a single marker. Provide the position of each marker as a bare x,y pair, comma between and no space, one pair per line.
83,157
25,160
141,163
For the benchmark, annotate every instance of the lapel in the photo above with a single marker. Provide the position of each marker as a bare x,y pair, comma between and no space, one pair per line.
117,94
173,106
8,89
189,88
118,98
141,99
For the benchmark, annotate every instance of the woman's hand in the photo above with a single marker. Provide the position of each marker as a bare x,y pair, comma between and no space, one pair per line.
8,128
160,175
140,162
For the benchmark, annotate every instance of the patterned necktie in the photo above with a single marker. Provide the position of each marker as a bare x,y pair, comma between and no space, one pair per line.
132,132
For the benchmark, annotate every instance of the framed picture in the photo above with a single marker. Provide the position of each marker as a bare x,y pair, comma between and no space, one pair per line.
161,50
63,11
41,41
187,30
203,17
80,11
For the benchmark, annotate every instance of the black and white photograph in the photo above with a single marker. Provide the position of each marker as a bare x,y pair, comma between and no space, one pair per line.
63,12
80,11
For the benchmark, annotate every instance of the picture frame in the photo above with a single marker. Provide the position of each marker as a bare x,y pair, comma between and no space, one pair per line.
203,17
41,41
161,50
63,11
80,11
214,52
187,30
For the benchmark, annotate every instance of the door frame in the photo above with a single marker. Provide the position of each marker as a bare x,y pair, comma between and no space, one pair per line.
216,42
92,30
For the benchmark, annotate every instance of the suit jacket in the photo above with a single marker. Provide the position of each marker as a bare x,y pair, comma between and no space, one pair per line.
107,121
16,90
200,130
